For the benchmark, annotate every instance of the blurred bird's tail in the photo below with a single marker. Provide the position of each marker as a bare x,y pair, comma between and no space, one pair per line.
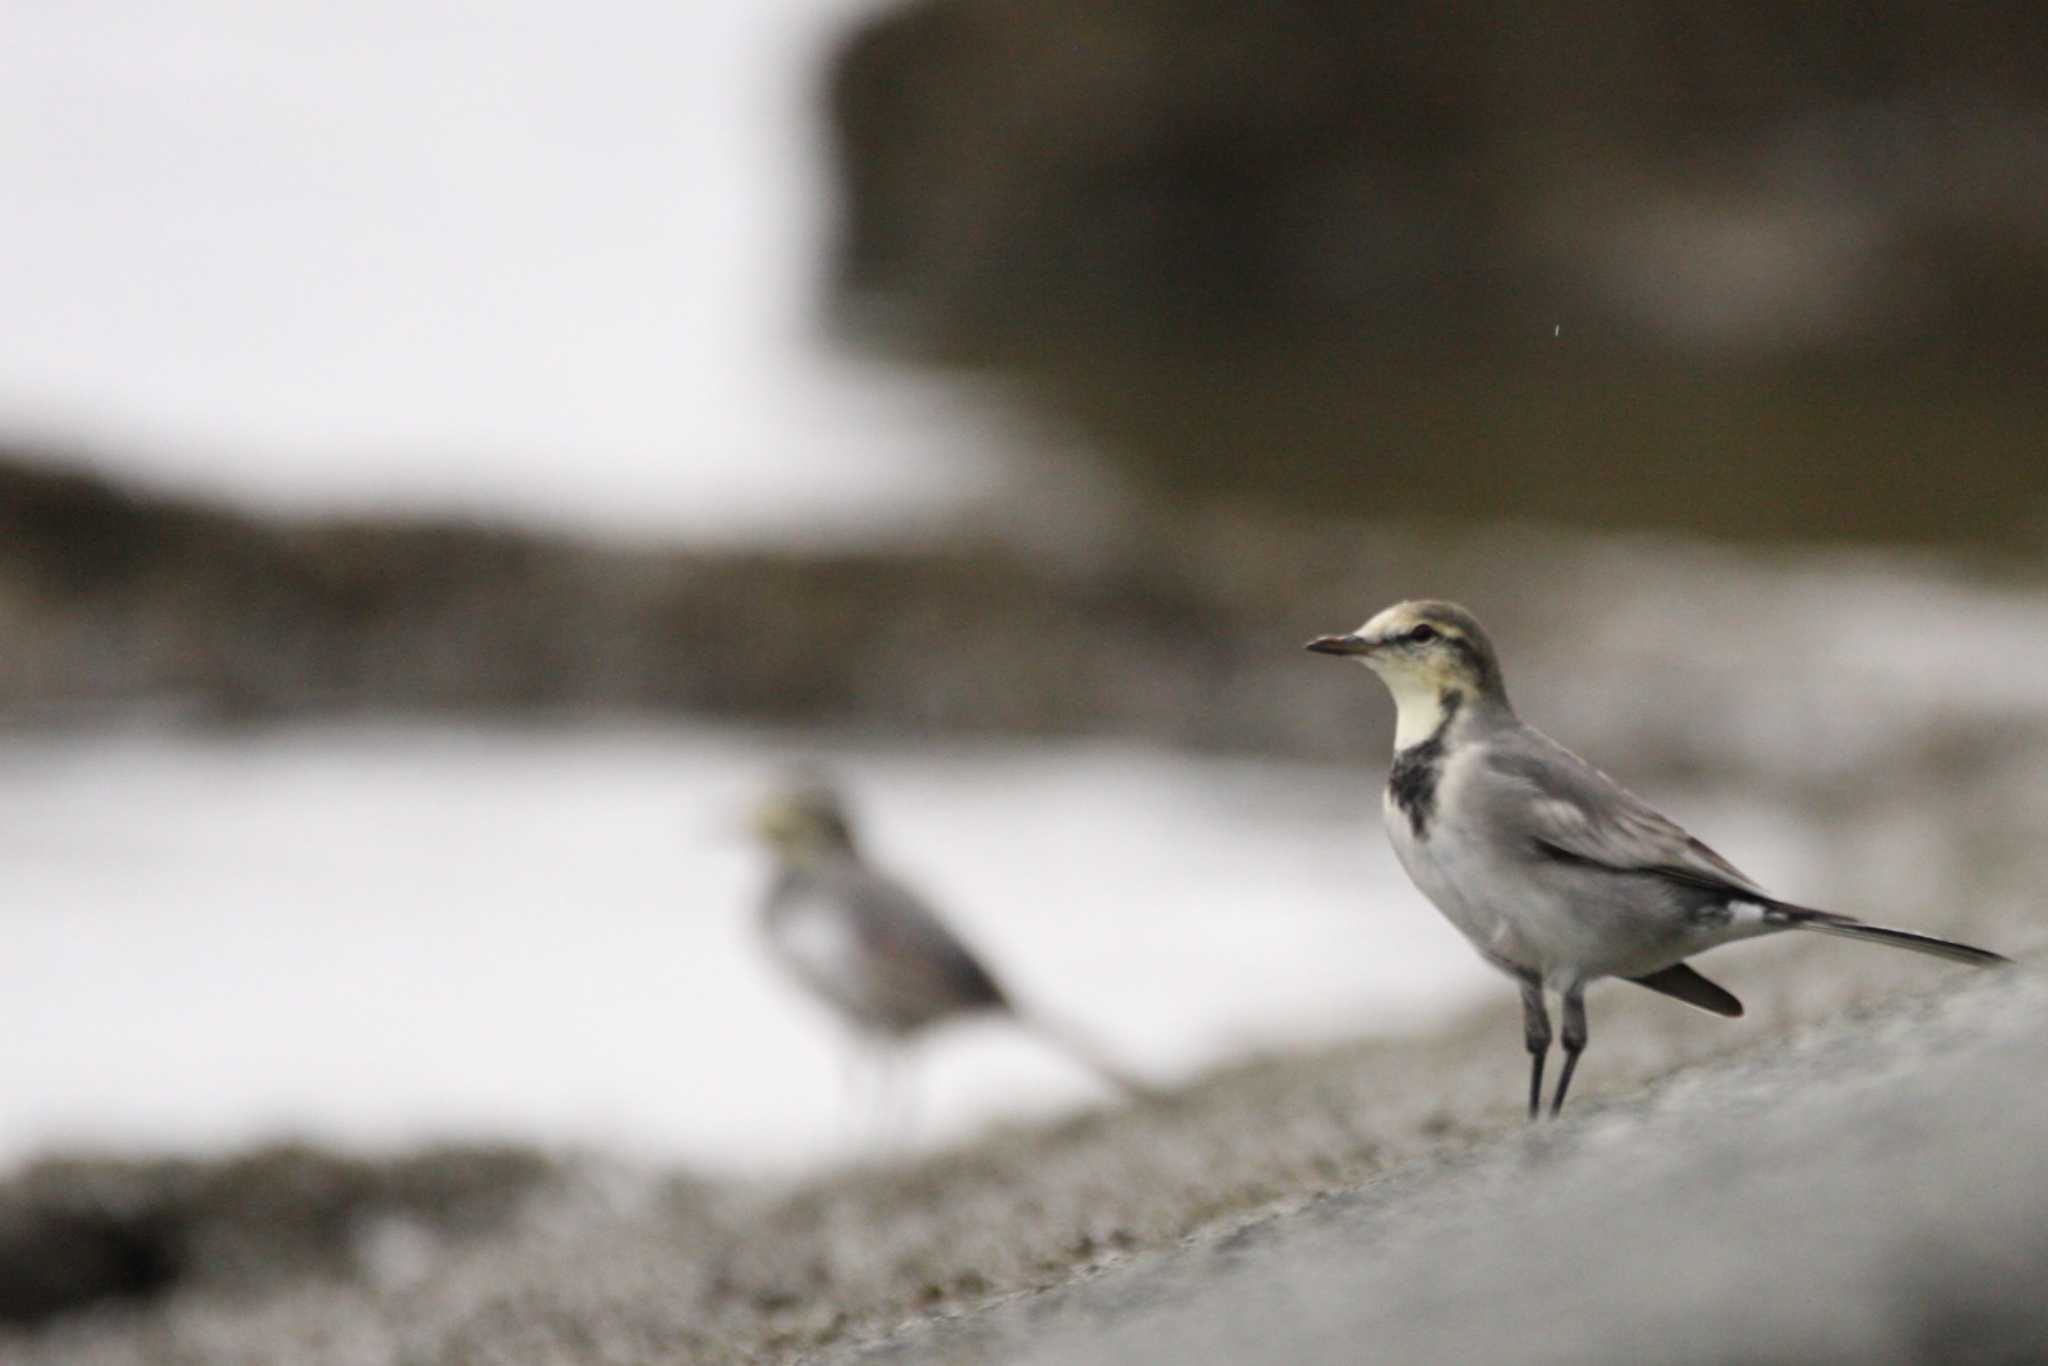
1082,1048
1849,927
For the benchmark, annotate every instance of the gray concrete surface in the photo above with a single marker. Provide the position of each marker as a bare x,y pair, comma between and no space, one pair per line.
1875,1190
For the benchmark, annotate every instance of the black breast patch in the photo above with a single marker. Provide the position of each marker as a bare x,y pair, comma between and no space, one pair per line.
1412,781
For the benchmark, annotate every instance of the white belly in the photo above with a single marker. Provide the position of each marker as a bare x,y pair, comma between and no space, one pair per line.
818,945
1524,923
816,941
1518,925
1445,871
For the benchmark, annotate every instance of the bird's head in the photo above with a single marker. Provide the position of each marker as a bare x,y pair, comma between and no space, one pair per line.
802,821
1424,651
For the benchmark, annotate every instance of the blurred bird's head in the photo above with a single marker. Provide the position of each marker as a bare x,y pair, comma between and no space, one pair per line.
1424,651
802,821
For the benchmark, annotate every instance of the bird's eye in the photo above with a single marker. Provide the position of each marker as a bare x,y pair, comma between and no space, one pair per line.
1423,633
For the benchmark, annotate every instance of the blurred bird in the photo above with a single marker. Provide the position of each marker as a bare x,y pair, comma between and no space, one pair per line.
870,947
1557,874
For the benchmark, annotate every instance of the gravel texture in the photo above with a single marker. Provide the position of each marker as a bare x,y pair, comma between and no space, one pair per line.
1876,1191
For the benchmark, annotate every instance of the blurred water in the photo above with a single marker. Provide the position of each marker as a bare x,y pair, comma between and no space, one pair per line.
384,934
522,259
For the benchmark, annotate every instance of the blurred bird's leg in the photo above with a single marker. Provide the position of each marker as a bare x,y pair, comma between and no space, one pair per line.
1536,1034
855,1077
1573,1039
895,1098
865,1093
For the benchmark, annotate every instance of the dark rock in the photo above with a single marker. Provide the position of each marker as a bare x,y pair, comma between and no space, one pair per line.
76,1233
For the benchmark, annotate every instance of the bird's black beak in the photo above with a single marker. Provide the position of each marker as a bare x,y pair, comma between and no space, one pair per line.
1340,645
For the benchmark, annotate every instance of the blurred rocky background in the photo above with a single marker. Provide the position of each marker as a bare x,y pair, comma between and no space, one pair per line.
1738,271
1315,293
1702,353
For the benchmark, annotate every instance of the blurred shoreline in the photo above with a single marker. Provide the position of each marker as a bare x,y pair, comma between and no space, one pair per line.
1179,626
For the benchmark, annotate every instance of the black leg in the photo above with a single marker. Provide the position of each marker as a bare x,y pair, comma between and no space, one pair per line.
1536,1033
1574,1040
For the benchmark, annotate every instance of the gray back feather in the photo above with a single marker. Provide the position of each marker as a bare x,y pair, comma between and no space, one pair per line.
1567,808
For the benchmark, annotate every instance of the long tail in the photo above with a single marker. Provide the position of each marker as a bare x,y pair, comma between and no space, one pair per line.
1849,927
1086,1051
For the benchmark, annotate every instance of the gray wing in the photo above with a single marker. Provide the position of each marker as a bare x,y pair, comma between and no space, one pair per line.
1562,808
1570,810
876,949
906,936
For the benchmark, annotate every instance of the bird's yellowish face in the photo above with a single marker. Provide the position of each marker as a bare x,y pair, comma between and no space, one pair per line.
1426,646
800,823
1424,651
1416,642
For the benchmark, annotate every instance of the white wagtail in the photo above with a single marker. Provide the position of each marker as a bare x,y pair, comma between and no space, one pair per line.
871,948
1557,874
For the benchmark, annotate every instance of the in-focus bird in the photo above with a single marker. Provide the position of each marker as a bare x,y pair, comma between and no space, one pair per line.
871,948
1557,874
